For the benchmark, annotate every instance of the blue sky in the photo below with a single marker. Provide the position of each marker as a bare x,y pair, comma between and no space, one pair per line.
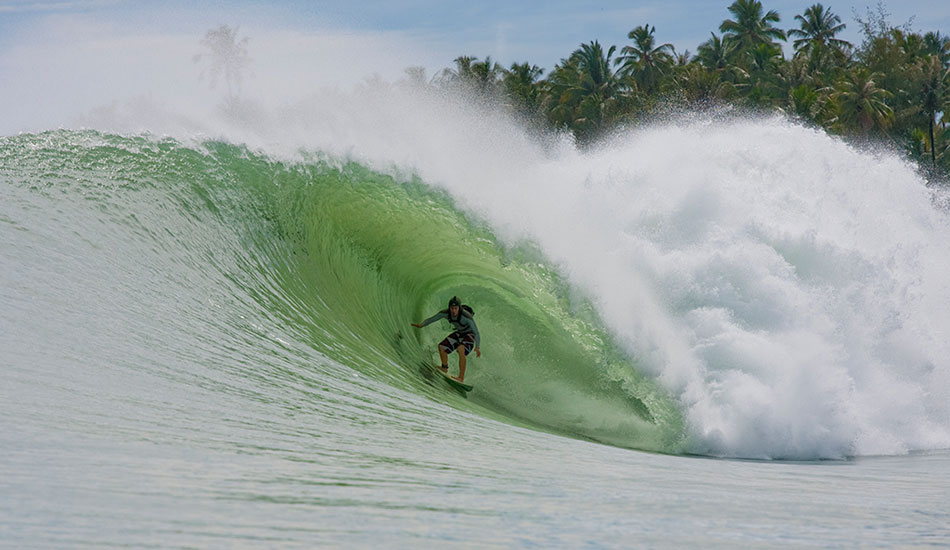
509,31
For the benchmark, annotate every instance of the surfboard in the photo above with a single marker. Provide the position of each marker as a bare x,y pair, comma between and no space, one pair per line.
456,384
430,372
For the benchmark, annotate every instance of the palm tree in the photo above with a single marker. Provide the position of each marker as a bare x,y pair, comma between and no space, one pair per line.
595,64
861,103
939,45
416,76
522,88
463,66
480,76
645,62
807,103
818,29
764,58
486,75
700,85
228,58
720,74
585,92
761,80
933,97
936,148
750,27
715,53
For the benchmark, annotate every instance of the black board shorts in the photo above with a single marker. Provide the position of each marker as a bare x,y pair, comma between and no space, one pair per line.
452,341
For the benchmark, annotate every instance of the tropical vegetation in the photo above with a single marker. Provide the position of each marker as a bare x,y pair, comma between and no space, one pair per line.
893,88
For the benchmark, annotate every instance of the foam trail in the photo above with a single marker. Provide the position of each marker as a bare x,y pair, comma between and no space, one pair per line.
786,288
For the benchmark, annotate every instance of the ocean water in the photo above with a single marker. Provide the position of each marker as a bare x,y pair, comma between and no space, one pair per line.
717,331
207,346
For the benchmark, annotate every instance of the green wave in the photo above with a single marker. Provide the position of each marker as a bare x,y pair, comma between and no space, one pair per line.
349,257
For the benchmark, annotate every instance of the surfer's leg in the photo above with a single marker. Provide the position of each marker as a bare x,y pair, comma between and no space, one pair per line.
461,350
445,359
447,346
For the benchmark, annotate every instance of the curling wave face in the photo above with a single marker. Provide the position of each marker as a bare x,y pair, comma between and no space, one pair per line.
252,258
726,287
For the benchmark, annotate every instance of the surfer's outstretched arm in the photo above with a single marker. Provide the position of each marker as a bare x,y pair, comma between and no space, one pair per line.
430,320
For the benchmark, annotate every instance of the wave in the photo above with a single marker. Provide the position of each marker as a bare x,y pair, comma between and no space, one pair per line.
729,287
342,259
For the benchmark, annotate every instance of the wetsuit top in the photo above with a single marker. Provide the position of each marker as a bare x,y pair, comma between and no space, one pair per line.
464,324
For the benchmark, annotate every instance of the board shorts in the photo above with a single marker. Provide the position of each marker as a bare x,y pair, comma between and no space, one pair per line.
452,342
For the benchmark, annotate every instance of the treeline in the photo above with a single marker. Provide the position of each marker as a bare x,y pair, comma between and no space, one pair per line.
893,87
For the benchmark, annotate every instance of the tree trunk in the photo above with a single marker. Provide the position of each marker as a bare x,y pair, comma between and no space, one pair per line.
933,146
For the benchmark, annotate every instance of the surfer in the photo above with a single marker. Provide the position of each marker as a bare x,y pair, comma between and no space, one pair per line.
464,338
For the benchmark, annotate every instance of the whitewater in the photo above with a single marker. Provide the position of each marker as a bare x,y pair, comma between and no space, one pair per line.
206,330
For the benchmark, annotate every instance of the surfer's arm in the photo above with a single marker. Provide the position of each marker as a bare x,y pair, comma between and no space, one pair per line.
430,320
478,338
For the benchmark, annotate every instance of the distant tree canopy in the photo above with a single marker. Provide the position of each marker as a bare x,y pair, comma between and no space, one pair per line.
894,87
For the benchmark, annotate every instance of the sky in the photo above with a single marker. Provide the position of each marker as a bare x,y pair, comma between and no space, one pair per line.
62,57
507,30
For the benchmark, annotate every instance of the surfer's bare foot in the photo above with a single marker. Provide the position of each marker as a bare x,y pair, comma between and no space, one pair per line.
457,379
444,368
